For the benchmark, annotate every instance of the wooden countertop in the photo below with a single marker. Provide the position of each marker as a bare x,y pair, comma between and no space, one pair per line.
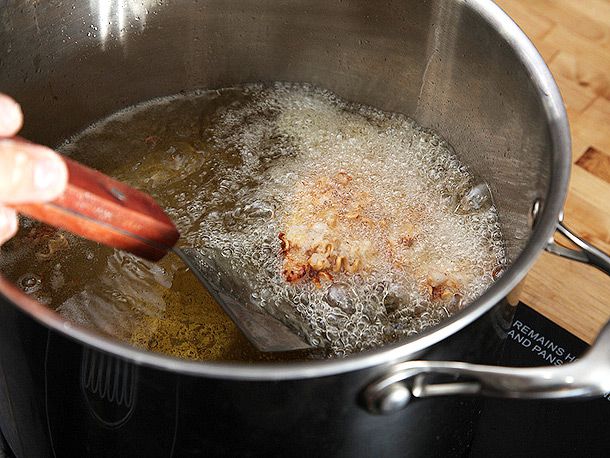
574,39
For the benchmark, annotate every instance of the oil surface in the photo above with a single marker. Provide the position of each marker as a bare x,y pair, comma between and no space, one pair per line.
412,236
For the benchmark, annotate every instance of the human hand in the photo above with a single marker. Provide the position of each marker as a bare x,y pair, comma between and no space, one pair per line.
28,172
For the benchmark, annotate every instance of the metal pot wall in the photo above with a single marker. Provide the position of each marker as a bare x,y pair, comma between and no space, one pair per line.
462,68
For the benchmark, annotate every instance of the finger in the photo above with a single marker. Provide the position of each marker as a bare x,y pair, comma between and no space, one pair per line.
30,173
11,117
8,224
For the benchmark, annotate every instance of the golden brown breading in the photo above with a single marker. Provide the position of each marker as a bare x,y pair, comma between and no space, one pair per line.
334,226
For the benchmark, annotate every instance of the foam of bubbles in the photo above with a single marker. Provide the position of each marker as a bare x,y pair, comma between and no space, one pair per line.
287,135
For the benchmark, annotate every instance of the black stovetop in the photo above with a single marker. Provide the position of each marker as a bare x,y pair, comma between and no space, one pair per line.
513,428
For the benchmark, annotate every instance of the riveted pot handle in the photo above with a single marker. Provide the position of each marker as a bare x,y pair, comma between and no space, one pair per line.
587,377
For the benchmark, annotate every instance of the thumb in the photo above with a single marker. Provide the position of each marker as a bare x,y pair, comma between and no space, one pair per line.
29,172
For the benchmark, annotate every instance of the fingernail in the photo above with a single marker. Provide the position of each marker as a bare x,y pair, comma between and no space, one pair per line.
10,115
13,223
48,174
8,225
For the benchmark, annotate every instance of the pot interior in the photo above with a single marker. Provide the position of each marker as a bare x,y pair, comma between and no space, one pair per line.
442,63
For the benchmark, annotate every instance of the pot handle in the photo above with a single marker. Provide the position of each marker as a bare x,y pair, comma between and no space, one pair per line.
587,253
589,376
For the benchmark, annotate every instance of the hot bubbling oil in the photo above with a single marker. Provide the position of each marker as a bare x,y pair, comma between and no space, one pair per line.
230,167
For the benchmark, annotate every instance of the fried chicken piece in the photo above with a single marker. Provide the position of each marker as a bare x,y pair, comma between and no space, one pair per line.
328,230
335,226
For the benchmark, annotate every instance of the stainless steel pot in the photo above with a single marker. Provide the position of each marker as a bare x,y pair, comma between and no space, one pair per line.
461,67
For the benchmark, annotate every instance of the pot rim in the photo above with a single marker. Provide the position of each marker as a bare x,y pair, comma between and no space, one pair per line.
548,92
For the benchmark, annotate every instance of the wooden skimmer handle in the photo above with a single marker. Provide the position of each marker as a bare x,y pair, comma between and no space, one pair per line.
105,210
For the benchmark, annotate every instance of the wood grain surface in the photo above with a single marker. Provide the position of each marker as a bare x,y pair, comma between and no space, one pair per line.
573,36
